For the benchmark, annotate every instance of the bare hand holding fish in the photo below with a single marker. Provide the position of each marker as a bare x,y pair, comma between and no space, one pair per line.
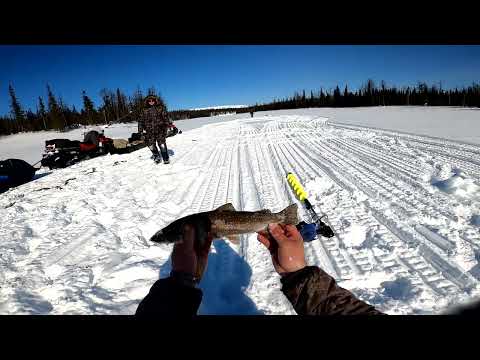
188,258
286,247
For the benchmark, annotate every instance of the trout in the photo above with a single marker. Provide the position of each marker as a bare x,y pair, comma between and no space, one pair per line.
226,222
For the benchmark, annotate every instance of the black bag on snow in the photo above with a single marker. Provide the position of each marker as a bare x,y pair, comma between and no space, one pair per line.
14,172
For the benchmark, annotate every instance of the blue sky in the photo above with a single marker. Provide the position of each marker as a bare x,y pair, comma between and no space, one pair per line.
200,76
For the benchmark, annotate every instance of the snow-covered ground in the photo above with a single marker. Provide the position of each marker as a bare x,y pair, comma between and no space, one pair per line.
405,208
454,123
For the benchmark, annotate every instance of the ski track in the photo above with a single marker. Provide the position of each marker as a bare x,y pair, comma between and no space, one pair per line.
83,247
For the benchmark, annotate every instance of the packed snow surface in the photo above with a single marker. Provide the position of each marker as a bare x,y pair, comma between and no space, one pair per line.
454,123
404,208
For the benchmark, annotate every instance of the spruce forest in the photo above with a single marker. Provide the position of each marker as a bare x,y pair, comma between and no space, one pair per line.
53,113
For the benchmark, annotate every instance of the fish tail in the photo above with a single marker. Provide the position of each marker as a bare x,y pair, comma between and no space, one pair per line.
290,214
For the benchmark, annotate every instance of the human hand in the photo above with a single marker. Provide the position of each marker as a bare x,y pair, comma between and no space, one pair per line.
187,257
286,247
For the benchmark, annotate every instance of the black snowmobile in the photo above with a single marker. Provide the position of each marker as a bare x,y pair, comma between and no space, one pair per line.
15,172
60,153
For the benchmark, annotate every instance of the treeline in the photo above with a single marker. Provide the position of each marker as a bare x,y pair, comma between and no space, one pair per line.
372,95
53,114
368,95
190,114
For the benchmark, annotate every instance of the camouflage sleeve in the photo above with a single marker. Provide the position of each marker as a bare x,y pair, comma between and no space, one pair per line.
141,123
165,117
312,291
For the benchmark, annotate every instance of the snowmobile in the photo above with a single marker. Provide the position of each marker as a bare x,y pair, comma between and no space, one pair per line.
60,153
15,172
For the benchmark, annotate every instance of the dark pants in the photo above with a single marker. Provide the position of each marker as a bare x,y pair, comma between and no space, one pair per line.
162,145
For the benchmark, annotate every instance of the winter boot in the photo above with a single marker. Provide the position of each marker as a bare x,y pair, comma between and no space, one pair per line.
164,151
155,154
157,158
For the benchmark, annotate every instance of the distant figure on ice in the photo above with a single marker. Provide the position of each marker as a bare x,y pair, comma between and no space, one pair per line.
154,124
309,289
251,113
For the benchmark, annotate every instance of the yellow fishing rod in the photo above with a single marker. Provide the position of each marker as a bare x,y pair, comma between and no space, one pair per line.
307,230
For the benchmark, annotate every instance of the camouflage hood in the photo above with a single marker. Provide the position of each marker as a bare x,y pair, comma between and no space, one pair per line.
158,101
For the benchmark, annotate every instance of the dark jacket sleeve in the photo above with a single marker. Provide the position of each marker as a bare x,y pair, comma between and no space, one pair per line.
313,292
141,123
164,119
169,298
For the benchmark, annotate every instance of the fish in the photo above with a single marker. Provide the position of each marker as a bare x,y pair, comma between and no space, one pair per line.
226,222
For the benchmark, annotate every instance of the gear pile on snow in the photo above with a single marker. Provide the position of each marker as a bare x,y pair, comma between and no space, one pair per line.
60,153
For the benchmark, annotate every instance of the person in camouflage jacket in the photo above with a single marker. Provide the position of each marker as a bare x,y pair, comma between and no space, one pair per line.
153,125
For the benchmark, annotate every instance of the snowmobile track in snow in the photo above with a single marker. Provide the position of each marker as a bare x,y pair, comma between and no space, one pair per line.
88,251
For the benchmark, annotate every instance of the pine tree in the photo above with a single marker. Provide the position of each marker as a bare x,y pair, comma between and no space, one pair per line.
31,121
89,109
108,107
121,104
54,112
322,97
42,114
370,92
136,103
16,109
346,97
64,112
383,86
336,97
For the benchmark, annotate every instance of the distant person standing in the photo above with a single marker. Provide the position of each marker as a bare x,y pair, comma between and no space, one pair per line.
251,113
153,125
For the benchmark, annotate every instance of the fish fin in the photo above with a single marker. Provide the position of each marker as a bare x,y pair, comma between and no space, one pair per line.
226,207
234,239
266,211
290,214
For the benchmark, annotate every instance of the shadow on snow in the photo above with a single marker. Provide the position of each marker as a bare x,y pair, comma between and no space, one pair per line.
223,283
